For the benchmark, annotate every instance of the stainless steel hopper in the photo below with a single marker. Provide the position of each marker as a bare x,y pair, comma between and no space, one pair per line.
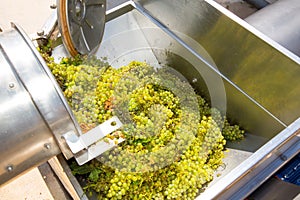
245,74
238,69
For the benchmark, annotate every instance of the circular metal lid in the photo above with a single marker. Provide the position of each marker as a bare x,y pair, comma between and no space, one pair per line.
81,24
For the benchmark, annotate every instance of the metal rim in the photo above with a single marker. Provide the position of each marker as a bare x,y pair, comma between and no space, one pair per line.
81,23
64,27
70,123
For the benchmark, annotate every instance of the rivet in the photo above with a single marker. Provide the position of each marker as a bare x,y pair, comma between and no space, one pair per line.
11,85
47,146
9,168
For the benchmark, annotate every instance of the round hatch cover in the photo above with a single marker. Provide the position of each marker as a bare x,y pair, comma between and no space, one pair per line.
81,23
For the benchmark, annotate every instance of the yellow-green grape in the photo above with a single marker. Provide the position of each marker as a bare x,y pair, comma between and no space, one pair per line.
204,108
232,132
162,127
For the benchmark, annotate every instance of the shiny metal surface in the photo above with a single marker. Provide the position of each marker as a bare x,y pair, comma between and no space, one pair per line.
49,26
34,113
89,145
240,53
242,180
81,24
192,60
134,37
280,21
244,55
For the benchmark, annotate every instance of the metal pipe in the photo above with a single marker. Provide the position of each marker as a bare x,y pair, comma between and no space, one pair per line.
259,4
280,21
33,111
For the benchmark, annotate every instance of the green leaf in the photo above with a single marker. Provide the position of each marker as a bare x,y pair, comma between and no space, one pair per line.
94,175
80,170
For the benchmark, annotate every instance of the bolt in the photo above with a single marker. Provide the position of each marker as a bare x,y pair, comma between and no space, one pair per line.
283,157
113,123
9,168
53,6
47,146
40,33
11,85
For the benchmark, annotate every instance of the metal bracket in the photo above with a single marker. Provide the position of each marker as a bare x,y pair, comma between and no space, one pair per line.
89,145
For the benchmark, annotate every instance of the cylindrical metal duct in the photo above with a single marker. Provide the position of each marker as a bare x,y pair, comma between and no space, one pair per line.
33,111
280,21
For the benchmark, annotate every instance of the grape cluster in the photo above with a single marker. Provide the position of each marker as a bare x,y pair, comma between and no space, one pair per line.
174,140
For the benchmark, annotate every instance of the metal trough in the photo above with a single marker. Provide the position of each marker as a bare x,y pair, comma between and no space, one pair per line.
246,75
238,69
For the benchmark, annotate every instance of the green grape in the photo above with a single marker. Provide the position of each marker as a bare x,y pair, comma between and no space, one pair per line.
161,125
232,132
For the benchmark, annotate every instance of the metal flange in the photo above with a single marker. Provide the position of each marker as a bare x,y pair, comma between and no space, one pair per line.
81,24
